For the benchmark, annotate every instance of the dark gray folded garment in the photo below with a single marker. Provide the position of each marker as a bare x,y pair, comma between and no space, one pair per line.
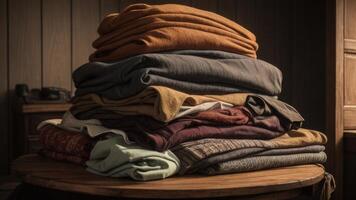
266,106
194,72
241,153
264,162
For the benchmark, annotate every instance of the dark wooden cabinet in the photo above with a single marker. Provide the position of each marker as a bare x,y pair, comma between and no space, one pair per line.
27,117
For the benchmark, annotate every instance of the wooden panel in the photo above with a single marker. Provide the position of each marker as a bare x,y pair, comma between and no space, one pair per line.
24,50
210,5
334,91
245,14
25,42
125,3
350,19
227,8
56,22
349,117
184,2
350,46
45,108
108,6
349,165
85,21
283,51
3,89
308,62
266,35
350,79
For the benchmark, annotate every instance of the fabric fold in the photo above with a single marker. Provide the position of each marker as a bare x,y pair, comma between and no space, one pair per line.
114,158
251,152
64,144
229,73
264,162
193,153
161,103
232,123
145,28
264,105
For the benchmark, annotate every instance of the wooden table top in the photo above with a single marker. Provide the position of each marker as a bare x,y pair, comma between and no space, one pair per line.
69,177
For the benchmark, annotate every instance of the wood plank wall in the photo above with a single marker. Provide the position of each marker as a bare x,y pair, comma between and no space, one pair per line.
43,41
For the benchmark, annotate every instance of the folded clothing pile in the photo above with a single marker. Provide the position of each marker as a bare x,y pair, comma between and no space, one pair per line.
176,90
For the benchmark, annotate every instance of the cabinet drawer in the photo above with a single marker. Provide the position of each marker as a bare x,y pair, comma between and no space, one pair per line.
350,18
350,79
34,119
34,144
350,117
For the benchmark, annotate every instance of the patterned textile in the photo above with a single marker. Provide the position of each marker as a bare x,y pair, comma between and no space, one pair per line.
264,162
193,152
253,152
58,144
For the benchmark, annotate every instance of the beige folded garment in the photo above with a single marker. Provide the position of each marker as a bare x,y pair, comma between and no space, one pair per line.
161,103
142,28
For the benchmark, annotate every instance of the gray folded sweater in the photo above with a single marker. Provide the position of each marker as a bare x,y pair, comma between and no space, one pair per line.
190,71
264,162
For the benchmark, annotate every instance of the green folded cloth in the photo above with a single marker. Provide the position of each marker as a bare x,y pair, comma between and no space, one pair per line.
113,157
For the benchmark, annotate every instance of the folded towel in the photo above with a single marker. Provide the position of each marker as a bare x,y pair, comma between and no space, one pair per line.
142,28
192,153
264,162
113,157
231,74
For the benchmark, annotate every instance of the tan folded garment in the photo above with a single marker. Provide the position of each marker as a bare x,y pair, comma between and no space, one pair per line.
142,28
212,146
161,103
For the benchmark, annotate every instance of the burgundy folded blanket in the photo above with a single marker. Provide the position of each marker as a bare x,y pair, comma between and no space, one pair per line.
236,123
64,145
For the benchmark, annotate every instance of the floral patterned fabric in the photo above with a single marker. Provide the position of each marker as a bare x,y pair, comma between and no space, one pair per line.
65,145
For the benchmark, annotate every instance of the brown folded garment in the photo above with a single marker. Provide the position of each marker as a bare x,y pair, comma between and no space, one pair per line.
234,123
265,105
65,145
194,152
161,103
142,28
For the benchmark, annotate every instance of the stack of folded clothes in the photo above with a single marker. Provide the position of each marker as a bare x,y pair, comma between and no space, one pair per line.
171,90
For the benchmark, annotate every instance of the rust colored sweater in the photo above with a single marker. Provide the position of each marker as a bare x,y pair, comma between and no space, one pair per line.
142,28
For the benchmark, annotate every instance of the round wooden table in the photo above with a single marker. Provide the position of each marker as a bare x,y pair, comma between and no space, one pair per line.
281,183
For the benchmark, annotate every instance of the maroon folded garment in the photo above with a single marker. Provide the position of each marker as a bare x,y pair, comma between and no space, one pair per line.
61,144
234,123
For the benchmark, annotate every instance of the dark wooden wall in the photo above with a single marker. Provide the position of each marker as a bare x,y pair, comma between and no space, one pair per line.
43,41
